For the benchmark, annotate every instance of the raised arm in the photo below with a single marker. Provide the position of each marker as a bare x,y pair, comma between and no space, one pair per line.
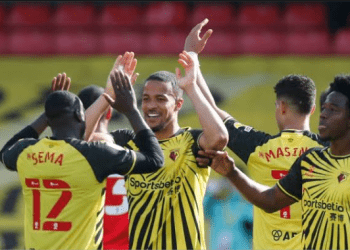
195,44
150,156
34,130
127,63
215,135
269,199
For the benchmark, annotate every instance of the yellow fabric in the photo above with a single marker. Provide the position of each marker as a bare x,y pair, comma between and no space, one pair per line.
269,163
166,207
53,173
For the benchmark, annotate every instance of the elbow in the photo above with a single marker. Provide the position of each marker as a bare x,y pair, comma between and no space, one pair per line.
159,161
219,143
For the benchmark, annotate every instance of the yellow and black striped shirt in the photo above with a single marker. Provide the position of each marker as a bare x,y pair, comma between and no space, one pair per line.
165,207
322,182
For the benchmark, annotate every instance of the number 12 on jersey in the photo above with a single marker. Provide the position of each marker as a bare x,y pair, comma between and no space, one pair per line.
60,204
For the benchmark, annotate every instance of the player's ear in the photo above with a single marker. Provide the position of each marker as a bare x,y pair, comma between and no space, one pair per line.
313,109
109,113
284,106
79,115
179,103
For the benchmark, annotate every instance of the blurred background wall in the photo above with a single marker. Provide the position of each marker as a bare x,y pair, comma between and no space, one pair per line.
252,47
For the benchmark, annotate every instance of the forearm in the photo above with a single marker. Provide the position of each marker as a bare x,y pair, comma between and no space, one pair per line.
93,115
136,121
150,156
215,132
259,195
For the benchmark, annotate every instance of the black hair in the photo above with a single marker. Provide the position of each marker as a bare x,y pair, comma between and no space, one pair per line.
299,90
166,76
90,94
341,84
323,96
60,103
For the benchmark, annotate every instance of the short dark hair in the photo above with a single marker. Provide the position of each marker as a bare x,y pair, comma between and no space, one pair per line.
90,94
166,76
60,103
298,89
324,95
341,84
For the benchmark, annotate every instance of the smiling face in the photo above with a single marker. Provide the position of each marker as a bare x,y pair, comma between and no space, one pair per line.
334,118
159,105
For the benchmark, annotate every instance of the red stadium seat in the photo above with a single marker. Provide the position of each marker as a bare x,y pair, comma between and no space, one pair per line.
3,43
79,42
312,42
219,14
164,42
29,15
30,42
257,16
223,43
166,14
342,42
119,42
2,14
74,15
261,42
121,15
305,16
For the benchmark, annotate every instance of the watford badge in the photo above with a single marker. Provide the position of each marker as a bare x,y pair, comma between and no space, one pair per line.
342,177
174,154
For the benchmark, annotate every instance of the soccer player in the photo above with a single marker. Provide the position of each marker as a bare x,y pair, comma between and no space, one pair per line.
116,221
165,207
319,178
269,157
63,177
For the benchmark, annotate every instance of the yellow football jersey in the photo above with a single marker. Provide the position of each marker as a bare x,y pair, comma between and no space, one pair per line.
269,159
321,181
166,207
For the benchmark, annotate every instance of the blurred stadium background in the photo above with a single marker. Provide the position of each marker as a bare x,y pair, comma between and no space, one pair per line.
253,45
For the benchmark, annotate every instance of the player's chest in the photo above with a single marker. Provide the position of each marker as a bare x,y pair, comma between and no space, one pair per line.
327,183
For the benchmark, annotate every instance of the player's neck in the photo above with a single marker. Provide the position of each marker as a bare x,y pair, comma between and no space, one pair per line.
167,132
297,123
61,135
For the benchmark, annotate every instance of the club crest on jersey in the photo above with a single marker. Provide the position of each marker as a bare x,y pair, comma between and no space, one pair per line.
342,177
174,154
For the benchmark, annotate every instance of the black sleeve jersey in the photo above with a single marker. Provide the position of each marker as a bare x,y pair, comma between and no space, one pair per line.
244,139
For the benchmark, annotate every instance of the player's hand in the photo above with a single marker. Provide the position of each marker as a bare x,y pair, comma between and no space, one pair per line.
203,161
125,98
126,63
189,80
222,163
193,41
60,82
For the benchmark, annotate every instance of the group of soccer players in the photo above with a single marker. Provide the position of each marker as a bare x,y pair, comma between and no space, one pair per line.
300,179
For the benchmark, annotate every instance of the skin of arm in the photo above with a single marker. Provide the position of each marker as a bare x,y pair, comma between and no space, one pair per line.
215,135
127,63
269,199
194,45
